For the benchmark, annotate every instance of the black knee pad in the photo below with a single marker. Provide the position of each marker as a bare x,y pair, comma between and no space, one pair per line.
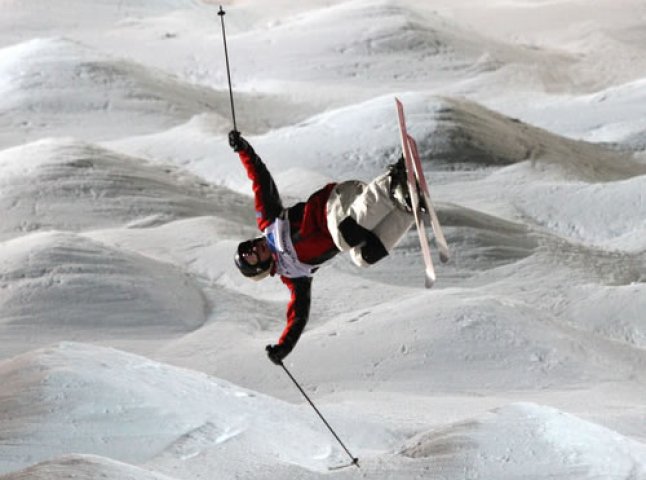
373,250
353,233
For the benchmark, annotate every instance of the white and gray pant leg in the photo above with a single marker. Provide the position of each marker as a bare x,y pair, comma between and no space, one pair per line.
364,220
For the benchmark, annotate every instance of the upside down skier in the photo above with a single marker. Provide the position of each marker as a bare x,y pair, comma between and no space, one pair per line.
365,219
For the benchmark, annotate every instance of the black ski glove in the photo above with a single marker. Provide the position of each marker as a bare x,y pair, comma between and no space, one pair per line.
277,352
237,142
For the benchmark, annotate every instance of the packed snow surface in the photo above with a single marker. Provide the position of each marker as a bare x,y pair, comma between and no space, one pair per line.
133,349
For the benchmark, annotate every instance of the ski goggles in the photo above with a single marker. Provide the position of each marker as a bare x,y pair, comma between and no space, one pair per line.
248,251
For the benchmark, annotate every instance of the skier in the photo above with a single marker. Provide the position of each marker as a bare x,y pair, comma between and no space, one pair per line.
366,220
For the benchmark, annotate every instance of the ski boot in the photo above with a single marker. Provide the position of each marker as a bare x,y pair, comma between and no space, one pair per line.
399,190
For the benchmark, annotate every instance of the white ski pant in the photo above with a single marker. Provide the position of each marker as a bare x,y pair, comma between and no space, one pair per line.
373,208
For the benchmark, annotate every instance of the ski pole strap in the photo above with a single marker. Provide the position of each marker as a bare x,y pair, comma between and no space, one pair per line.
355,460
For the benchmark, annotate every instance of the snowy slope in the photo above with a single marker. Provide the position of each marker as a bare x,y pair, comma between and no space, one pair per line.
130,347
92,400
85,467
451,133
613,115
47,81
73,185
614,209
58,86
60,284
566,446
590,309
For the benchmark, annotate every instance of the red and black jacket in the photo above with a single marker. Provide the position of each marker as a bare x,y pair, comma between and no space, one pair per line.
309,232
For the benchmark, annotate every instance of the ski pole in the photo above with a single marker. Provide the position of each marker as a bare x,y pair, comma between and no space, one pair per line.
355,460
221,13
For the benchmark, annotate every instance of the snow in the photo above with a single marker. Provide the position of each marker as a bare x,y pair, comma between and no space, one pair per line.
86,467
144,410
133,349
58,284
575,448
73,185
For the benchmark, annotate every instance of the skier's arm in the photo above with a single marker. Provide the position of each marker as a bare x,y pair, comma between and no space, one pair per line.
266,198
298,312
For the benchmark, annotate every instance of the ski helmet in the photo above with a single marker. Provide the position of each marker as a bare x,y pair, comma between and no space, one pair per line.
257,271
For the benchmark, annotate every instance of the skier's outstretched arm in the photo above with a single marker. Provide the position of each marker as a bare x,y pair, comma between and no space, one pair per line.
267,199
298,312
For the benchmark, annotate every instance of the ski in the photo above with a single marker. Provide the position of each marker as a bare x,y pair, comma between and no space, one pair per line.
440,240
415,176
412,188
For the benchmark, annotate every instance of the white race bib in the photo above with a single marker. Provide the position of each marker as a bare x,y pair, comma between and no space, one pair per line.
279,240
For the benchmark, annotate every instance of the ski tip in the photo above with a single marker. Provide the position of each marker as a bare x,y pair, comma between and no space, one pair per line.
444,258
429,281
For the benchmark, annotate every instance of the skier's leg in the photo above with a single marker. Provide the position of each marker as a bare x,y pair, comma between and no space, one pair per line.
338,211
372,205
355,209
366,247
393,228
386,236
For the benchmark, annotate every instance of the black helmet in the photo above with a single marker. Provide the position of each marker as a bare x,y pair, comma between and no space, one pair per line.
257,271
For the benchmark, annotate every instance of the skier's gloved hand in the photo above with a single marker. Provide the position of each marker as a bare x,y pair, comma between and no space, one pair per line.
237,142
277,352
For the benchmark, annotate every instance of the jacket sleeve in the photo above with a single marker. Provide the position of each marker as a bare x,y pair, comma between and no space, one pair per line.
298,310
266,198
